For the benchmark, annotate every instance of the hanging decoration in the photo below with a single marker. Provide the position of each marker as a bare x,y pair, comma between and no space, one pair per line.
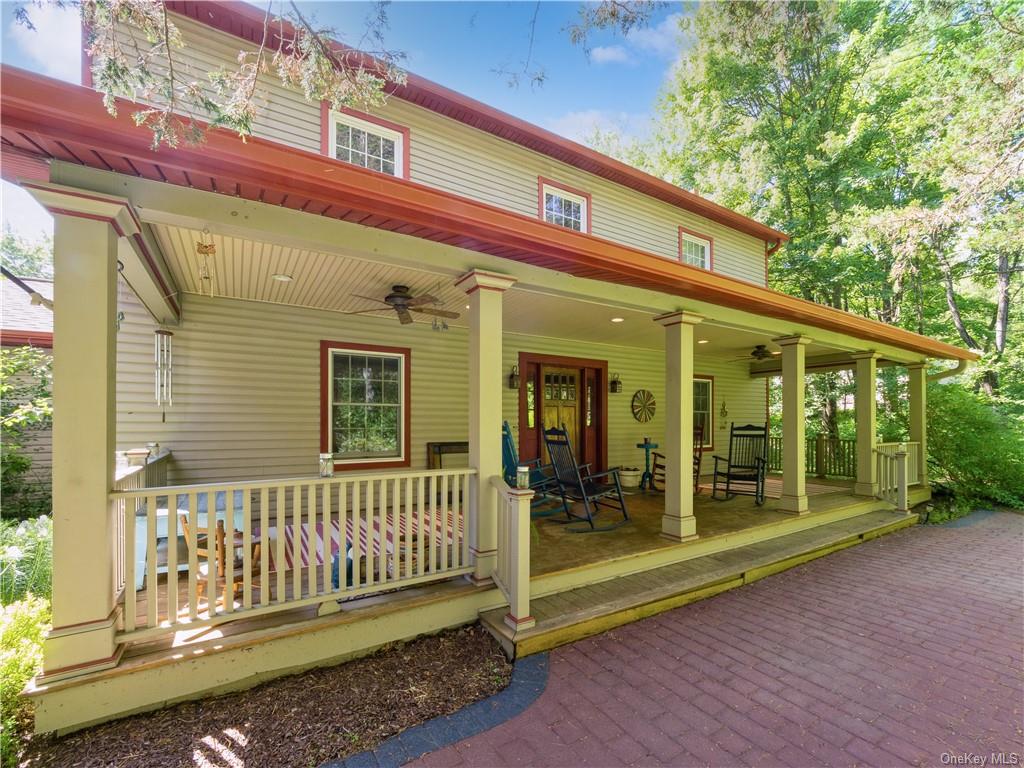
643,405
163,369
205,248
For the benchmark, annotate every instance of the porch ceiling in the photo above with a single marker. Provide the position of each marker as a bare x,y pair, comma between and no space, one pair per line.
243,268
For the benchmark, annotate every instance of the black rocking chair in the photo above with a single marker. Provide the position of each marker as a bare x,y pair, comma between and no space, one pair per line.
578,484
745,468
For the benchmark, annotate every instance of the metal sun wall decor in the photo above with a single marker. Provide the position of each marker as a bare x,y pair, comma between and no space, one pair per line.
643,405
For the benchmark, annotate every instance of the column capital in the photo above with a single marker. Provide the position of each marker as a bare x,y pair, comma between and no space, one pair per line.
919,366
678,318
69,201
869,354
789,341
477,279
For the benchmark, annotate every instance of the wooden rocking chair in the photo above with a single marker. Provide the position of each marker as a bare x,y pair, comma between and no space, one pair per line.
744,470
658,470
219,559
578,484
542,480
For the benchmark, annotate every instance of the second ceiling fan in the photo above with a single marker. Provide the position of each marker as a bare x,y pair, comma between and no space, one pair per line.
403,303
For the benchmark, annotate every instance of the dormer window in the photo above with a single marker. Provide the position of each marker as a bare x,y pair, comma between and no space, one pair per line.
368,143
564,207
695,250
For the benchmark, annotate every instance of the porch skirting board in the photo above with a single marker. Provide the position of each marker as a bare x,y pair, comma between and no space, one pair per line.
529,679
151,681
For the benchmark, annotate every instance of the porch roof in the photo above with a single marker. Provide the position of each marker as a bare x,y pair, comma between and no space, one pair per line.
44,119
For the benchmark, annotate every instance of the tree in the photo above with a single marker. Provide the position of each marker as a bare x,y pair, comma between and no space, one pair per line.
27,258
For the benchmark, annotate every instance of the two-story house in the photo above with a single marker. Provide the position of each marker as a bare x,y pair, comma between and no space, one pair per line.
319,333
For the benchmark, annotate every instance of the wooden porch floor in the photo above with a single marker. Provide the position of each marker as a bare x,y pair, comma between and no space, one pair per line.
554,548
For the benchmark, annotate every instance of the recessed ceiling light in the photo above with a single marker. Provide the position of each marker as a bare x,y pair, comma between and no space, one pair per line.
282,278
467,306
702,341
618,319
777,353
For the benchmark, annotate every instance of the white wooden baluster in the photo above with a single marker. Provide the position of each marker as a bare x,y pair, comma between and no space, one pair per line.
280,563
152,588
193,556
369,516
433,524
342,536
411,533
246,549
296,541
446,510
229,550
129,567
421,528
330,538
357,524
172,558
901,479
265,553
211,552
314,540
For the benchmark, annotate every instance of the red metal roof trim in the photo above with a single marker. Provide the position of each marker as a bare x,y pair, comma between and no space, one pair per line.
246,22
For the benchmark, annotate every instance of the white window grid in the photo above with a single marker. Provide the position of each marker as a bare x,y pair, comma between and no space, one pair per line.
695,251
565,209
366,144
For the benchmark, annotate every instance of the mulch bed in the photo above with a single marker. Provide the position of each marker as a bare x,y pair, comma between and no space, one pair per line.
299,720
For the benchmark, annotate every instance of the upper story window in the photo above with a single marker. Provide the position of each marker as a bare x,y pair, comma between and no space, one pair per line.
564,207
368,143
695,250
366,401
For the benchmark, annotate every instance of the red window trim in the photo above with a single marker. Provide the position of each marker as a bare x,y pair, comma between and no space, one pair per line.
541,181
325,132
325,417
711,409
711,247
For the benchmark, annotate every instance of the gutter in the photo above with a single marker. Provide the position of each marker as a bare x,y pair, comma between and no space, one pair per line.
961,366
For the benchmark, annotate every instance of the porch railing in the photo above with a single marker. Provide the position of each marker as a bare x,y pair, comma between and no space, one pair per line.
823,456
130,478
512,575
892,475
913,451
210,553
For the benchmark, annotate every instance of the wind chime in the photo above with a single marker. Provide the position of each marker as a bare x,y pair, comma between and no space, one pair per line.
205,248
163,369
438,324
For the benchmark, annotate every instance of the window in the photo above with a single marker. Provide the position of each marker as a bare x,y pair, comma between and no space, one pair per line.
703,405
366,399
695,250
368,143
564,207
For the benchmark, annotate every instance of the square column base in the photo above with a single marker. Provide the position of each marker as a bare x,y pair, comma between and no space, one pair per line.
484,563
518,625
865,489
679,528
79,649
793,505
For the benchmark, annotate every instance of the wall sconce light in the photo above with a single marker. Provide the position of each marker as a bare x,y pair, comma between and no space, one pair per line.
724,413
615,386
513,378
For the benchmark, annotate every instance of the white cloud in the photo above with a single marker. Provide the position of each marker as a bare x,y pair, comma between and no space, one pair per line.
609,54
663,40
580,125
22,214
54,47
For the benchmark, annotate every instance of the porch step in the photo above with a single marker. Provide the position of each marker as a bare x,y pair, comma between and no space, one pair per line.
565,617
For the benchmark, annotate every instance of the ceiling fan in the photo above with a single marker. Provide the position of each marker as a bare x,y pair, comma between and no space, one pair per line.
758,354
402,303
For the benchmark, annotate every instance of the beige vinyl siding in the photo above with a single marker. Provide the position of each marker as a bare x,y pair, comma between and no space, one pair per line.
451,156
247,387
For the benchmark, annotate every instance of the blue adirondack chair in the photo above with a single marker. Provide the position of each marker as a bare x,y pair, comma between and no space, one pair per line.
542,480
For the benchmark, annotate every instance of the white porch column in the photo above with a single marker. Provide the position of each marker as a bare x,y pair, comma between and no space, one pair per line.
864,407
678,522
485,385
918,403
84,425
794,481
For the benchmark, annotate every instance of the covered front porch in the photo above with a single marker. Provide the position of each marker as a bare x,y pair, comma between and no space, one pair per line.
229,531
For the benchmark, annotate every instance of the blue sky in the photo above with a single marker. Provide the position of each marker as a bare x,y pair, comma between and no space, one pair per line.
458,44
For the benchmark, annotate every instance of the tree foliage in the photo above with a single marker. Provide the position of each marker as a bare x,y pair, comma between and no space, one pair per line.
25,406
25,257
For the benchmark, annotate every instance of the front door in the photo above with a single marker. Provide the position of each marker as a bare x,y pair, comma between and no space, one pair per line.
560,401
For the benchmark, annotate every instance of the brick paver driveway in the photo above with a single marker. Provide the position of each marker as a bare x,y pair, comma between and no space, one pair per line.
887,654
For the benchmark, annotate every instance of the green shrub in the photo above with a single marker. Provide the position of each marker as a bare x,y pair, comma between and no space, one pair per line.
26,559
975,450
22,627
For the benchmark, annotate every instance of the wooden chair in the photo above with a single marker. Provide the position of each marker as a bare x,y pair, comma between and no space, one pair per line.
658,471
220,555
578,484
542,480
744,470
